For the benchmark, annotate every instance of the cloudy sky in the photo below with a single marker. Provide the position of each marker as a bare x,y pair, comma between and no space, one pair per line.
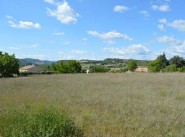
92,29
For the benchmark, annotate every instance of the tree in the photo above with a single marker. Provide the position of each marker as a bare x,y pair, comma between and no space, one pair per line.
154,66
170,68
99,69
132,65
74,66
178,61
68,67
163,60
9,65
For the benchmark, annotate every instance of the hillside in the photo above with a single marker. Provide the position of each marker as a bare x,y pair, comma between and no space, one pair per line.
29,61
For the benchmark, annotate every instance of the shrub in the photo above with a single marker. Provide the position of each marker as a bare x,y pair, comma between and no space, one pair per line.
42,122
71,66
154,66
99,69
170,68
132,65
181,69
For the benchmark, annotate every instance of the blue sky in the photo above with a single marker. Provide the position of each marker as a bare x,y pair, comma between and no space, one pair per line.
92,29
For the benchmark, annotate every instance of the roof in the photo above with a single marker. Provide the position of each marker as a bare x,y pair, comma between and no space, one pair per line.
31,69
141,69
27,67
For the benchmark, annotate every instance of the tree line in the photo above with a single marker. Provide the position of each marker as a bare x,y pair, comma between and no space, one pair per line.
162,64
9,65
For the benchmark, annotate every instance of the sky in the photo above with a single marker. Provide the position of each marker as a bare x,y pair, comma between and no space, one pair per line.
92,29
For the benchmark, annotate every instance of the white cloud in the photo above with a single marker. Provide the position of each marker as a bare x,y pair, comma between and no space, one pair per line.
73,54
161,27
66,42
163,21
9,17
110,42
176,47
168,40
144,13
50,1
120,8
78,52
176,24
162,8
24,25
109,35
13,48
133,50
64,13
59,33
84,39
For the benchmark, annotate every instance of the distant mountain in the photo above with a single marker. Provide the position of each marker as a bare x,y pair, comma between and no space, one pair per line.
29,61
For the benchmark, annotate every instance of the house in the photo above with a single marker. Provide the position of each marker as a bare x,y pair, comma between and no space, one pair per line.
141,69
30,69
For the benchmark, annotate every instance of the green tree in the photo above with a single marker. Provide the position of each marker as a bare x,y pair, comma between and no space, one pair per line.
163,60
132,65
74,66
9,65
67,67
99,69
178,61
154,66
170,68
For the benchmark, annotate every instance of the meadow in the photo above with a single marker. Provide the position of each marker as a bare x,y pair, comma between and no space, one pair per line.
106,105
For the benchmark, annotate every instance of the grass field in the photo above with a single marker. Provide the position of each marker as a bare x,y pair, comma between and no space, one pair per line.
107,105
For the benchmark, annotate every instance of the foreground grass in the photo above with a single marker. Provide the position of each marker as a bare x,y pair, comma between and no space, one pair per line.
123,105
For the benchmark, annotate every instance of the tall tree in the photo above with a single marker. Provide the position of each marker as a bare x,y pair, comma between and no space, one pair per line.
9,65
178,61
163,60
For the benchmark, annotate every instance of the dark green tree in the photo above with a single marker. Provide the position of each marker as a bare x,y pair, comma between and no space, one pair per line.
9,65
163,60
132,65
178,61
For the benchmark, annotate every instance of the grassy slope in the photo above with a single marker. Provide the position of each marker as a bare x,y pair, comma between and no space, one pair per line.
143,105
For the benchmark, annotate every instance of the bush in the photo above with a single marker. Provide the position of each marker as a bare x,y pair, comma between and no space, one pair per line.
71,66
37,123
181,69
99,69
132,65
154,66
170,68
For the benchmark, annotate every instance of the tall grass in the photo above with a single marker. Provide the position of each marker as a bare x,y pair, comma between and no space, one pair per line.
123,105
40,122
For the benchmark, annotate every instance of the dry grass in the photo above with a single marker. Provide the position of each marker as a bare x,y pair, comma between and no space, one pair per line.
121,105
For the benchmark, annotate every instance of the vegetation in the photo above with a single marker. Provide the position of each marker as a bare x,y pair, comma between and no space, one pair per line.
176,63
154,66
8,65
71,66
99,69
132,65
40,122
102,105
